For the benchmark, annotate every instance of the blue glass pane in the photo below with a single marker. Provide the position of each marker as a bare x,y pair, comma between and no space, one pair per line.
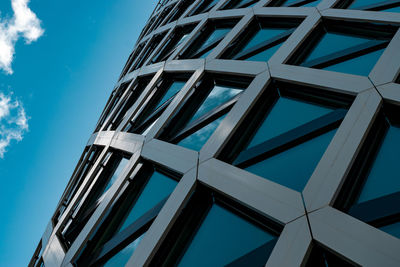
362,3
120,167
266,54
206,54
359,66
208,7
333,42
293,167
122,257
262,36
384,178
290,2
286,115
172,90
217,96
196,140
314,3
394,9
157,188
217,33
393,229
222,238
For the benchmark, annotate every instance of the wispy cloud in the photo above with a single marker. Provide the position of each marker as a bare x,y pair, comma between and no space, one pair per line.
13,122
24,24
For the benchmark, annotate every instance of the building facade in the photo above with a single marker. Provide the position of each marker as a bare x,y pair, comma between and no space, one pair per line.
244,133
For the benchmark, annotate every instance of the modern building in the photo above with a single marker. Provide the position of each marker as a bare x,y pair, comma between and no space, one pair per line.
244,133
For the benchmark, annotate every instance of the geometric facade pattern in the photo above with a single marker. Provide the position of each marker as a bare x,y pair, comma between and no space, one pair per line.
244,133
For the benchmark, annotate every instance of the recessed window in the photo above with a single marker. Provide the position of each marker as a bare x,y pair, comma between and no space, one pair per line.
208,38
261,39
178,37
132,58
204,6
352,48
85,164
232,4
110,169
295,3
227,233
125,225
201,114
154,42
178,11
373,5
285,135
129,98
159,99
372,189
321,257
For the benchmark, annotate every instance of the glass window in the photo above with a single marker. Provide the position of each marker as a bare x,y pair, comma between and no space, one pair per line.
116,174
285,134
226,232
123,256
178,12
239,4
209,38
320,257
373,5
203,111
196,140
218,238
383,178
285,115
295,3
332,47
157,188
293,167
261,39
204,6
393,229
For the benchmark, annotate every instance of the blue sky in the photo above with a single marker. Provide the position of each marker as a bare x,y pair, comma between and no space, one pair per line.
61,80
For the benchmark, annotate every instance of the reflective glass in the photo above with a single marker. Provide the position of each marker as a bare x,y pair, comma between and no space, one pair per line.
262,36
172,90
286,115
333,42
222,238
394,9
314,3
362,3
293,167
384,178
157,188
215,35
359,66
266,54
196,140
393,229
122,257
217,96
114,177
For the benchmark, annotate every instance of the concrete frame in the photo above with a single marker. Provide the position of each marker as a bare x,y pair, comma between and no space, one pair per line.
307,216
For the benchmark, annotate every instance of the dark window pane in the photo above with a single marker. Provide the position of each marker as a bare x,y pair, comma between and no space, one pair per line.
172,90
293,167
359,66
333,42
266,54
217,96
122,257
117,172
383,178
157,188
222,238
215,35
362,3
196,140
393,229
314,3
395,9
285,115
263,35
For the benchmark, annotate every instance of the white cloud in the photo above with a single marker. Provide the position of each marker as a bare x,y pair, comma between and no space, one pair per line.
13,122
24,23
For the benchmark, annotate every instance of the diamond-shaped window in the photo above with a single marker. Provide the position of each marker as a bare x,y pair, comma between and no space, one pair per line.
261,39
352,48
